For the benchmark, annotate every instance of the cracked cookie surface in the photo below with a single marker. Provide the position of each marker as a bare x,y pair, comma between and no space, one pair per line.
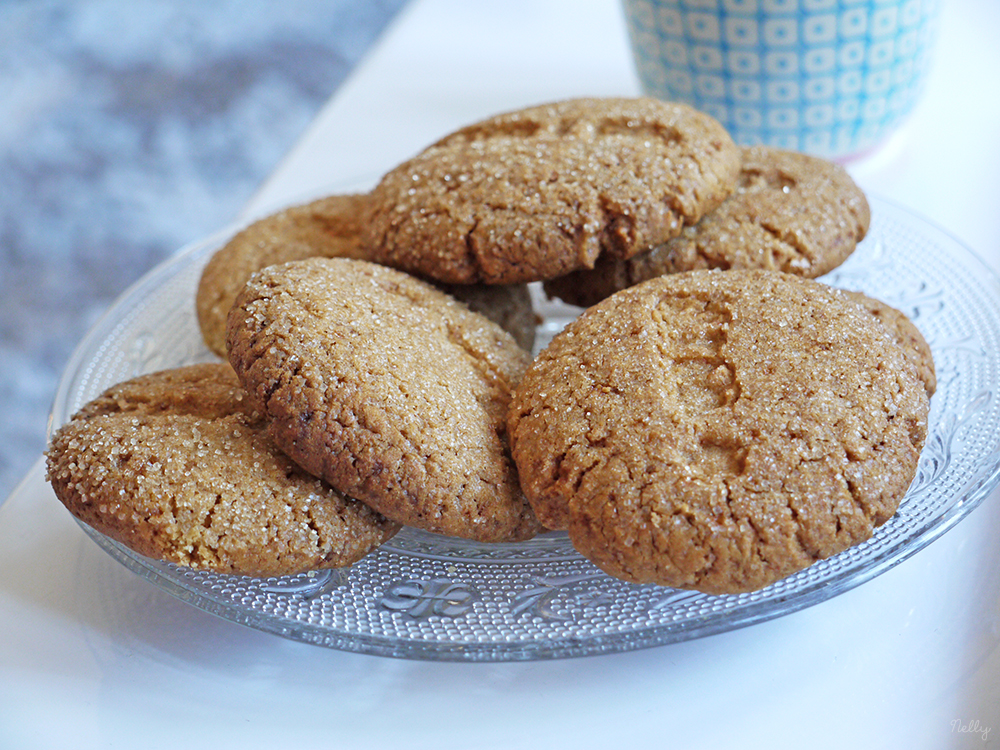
539,192
387,388
789,212
178,466
718,430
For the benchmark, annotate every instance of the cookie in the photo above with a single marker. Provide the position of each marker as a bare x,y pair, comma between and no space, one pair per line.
327,228
387,388
177,466
906,333
790,212
539,192
718,430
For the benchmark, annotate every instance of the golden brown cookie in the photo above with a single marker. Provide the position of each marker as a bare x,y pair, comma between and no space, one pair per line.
177,466
327,228
387,388
718,430
908,335
539,192
790,212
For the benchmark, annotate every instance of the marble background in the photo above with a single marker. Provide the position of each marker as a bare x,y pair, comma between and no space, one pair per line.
127,129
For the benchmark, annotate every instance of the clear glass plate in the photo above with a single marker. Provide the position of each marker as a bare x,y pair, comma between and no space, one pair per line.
431,597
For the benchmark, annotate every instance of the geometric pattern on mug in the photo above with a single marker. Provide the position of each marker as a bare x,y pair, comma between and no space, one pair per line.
826,76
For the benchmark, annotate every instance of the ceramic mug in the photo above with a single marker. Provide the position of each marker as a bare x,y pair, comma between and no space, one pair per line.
829,77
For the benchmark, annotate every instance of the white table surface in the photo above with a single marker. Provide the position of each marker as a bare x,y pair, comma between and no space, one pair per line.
92,656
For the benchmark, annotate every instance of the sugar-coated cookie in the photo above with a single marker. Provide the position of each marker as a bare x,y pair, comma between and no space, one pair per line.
541,191
387,388
178,466
718,430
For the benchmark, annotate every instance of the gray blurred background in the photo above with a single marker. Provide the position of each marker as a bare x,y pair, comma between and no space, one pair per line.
129,128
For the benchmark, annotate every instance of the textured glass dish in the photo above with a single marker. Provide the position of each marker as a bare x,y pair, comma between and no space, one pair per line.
430,597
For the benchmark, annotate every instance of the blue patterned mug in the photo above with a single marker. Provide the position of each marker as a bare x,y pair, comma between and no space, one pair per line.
829,77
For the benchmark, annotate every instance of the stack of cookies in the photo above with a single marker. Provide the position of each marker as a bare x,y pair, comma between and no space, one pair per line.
714,418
